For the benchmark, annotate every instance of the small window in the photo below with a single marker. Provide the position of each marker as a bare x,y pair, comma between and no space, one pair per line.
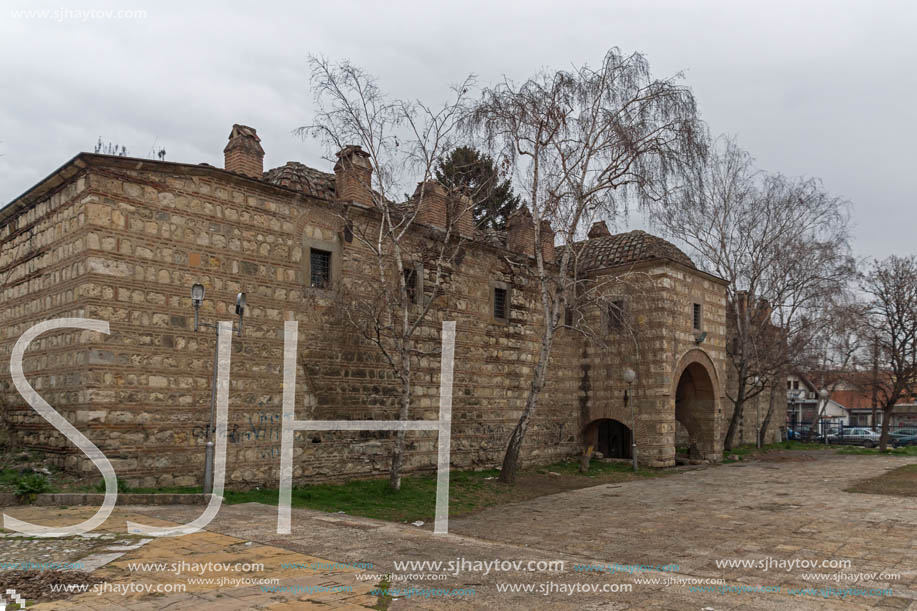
616,316
320,268
501,304
410,283
789,385
795,384
698,318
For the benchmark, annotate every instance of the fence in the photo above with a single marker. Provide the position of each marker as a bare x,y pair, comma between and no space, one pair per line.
833,431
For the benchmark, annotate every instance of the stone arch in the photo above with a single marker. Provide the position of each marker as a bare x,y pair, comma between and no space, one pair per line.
696,391
611,437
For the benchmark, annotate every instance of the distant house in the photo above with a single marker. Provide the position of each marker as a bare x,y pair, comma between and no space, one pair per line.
850,403
803,406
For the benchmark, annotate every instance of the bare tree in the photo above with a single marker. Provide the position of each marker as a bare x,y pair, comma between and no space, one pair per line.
781,243
836,347
580,141
401,140
892,317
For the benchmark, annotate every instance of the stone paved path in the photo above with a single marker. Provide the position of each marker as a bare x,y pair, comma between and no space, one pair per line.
778,510
185,559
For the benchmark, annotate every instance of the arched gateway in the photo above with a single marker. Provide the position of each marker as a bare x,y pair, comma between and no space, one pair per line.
612,438
696,406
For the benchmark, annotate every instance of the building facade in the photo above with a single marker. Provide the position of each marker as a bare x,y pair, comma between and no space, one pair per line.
123,240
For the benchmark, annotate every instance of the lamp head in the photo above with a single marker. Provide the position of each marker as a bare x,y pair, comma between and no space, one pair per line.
197,294
629,375
823,393
240,304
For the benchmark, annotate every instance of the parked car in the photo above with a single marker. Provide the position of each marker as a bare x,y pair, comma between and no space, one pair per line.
898,434
858,436
799,433
907,440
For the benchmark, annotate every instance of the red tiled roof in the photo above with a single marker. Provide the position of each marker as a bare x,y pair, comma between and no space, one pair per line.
853,399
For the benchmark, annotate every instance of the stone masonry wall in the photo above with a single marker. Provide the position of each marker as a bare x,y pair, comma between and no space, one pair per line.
42,266
123,242
657,335
142,392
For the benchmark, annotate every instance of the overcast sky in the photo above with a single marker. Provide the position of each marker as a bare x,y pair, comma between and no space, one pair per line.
823,89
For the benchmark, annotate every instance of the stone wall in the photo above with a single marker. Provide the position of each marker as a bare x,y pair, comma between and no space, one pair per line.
123,241
142,392
42,269
655,341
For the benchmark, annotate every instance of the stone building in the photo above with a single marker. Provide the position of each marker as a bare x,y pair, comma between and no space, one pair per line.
122,240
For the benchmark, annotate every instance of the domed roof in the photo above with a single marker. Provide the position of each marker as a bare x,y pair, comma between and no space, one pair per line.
300,177
625,248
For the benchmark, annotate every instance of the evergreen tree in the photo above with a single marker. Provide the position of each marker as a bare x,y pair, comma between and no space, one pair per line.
477,174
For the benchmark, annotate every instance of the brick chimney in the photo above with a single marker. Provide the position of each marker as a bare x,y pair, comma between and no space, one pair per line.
741,303
547,242
520,235
439,206
464,207
243,154
353,176
431,209
520,232
598,230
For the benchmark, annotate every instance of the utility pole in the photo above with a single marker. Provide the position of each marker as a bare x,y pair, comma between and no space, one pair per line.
875,380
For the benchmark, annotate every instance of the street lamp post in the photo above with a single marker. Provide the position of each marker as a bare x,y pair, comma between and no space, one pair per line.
629,376
823,394
197,298
794,418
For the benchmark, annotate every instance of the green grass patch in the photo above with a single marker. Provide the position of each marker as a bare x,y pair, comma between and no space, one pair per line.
897,482
383,601
8,478
469,491
26,483
416,500
169,490
122,486
903,451
28,486
749,449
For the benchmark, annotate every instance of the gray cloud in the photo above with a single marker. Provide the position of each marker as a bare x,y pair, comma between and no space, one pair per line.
823,89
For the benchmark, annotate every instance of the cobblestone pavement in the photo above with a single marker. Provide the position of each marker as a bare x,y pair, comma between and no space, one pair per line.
777,510
232,586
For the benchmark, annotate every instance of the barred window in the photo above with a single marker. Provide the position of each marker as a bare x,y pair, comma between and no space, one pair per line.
501,306
320,268
697,317
616,316
410,283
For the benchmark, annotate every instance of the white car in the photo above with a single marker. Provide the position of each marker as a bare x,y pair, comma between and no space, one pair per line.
858,436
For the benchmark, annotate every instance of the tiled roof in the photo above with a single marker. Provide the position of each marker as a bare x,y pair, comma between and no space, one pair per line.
595,253
625,248
300,177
